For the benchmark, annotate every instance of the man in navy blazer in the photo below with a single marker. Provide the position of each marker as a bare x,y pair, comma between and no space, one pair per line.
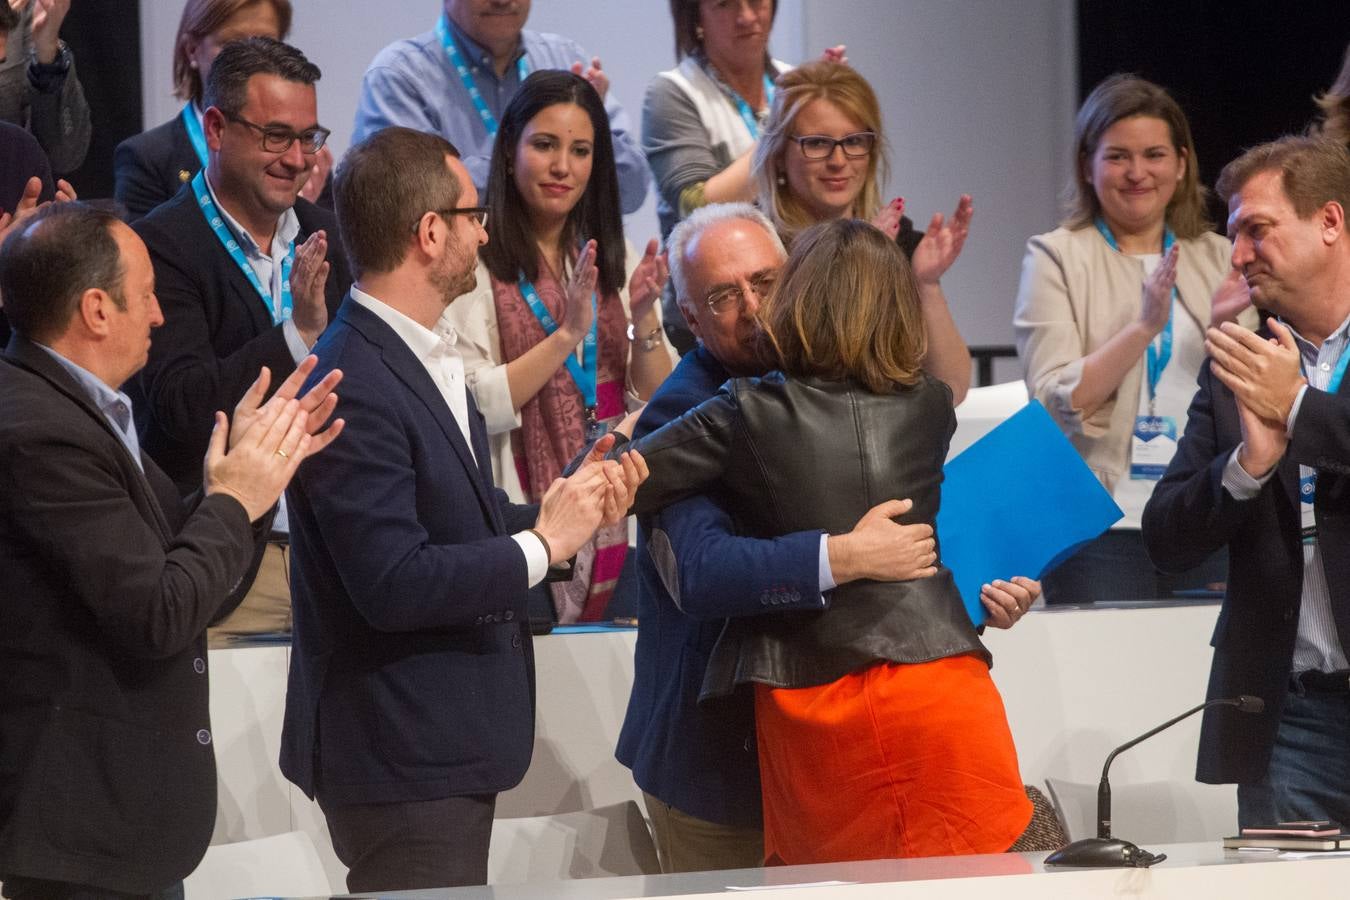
411,695
698,765
1264,468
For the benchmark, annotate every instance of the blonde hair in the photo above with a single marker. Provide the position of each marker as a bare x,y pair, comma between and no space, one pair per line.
1124,97
847,306
1335,106
842,86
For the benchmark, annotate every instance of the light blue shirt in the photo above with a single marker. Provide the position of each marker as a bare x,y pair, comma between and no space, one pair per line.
115,405
1317,645
411,83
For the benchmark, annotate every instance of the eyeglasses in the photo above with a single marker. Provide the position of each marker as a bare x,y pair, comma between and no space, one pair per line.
818,146
730,300
278,138
478,213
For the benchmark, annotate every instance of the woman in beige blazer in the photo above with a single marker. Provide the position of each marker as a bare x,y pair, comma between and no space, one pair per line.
1110,321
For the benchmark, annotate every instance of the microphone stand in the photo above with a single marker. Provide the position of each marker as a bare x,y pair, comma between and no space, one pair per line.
1105,851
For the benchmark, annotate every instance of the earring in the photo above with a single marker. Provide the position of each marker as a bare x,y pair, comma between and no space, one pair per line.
782,179
698,33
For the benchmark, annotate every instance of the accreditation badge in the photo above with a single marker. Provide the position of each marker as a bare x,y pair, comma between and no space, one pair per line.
1152,446
1307,495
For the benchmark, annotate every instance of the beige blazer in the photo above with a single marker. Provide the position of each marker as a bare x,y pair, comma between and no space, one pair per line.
1076,293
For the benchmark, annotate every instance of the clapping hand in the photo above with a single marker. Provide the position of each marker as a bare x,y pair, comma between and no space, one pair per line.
942,242
649,279
888,220
836,54
580,310
318,175
1230,300
592,73
318,403
309,276
1157,296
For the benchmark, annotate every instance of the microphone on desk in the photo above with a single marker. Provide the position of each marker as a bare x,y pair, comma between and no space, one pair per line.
1104,851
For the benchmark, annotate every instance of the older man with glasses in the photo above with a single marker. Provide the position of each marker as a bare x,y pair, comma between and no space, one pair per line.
247,274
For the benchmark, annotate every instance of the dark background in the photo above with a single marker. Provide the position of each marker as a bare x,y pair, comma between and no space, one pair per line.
1244,72
105,38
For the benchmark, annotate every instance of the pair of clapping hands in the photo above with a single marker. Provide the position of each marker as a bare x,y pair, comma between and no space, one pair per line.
598,493
1265,376
254,455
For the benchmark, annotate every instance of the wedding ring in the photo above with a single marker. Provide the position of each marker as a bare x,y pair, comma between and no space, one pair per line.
283,454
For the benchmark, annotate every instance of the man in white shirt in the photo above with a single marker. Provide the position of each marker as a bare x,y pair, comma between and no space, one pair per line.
411,698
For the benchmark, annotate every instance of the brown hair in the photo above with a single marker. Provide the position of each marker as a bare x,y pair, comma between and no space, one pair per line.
384,185
846,89
48,264
200,19
1314,171
1335,105
1124,97
847,306
685,15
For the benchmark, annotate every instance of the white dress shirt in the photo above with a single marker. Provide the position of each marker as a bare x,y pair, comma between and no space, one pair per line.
438,352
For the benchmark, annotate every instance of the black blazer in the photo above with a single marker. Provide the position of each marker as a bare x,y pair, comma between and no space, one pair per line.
107,583
1190,516
150,167
216,333
412,674
792,454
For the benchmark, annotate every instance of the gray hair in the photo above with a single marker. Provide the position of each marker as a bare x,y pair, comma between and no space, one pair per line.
699,221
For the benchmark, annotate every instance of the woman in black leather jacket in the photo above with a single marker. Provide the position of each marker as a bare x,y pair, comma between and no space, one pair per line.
881,733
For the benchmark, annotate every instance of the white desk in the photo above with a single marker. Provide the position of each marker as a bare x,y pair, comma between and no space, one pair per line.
1191,871
1075,682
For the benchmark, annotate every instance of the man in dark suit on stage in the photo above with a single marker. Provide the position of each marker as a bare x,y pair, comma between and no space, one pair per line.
1264,469
107,579
411,696
247,274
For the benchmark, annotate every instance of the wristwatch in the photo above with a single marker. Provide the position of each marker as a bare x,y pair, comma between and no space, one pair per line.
647,342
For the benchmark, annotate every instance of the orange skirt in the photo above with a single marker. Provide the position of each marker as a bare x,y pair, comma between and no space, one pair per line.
890,761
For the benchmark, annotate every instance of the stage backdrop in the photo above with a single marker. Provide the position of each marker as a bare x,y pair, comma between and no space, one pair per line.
977,96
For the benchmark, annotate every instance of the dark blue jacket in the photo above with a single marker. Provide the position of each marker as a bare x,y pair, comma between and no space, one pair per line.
702,760
412,675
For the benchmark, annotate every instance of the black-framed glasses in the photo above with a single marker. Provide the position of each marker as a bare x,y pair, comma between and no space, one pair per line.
731,300
478,213
278,138
819,146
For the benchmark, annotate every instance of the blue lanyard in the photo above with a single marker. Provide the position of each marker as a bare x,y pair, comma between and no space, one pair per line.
194,130
582,373
1161,355
747,114
465,76
280,311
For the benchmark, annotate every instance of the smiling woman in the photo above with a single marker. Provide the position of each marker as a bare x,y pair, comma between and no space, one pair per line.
555,353
1110,321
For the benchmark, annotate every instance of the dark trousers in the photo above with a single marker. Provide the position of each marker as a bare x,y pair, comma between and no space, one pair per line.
1309,773
1116,567
413,845
17,887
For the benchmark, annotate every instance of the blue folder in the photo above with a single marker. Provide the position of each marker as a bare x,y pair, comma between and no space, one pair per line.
1017,502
